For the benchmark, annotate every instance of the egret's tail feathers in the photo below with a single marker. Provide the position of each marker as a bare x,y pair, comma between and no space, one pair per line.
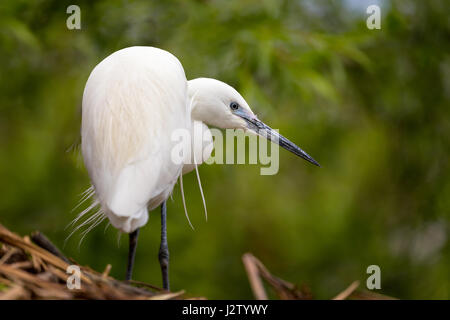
88,193
128,223
94,211
201,189
184,202
99,218
106,227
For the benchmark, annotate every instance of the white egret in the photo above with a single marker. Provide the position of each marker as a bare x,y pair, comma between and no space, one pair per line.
133,100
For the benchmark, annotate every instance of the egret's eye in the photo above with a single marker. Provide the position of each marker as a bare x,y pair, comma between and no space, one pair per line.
234,106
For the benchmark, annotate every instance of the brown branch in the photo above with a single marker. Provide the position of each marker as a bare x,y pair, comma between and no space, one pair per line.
257,270
347,292
253,277
43,242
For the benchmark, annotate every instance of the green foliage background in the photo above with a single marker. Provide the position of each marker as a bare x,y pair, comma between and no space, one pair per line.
372,106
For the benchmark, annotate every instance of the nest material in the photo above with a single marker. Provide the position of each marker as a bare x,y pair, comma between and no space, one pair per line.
31,267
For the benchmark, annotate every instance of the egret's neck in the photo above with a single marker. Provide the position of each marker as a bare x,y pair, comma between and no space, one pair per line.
194,91
202,102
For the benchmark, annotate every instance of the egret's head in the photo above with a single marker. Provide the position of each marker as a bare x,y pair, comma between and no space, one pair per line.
218,104
215,103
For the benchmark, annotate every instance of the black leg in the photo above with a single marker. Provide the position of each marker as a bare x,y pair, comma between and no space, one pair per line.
132,252
164,249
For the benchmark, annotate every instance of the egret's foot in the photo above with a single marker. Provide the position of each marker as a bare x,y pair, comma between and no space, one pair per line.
164,263
133,237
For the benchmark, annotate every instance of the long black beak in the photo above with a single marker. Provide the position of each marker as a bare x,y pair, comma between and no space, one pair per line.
267,132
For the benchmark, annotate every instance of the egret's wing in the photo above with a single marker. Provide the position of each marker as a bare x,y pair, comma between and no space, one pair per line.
132,103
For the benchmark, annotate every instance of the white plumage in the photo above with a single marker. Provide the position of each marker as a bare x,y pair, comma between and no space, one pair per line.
132,101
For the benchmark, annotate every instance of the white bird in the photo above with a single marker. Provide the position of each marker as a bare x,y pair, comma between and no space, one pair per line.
133,101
